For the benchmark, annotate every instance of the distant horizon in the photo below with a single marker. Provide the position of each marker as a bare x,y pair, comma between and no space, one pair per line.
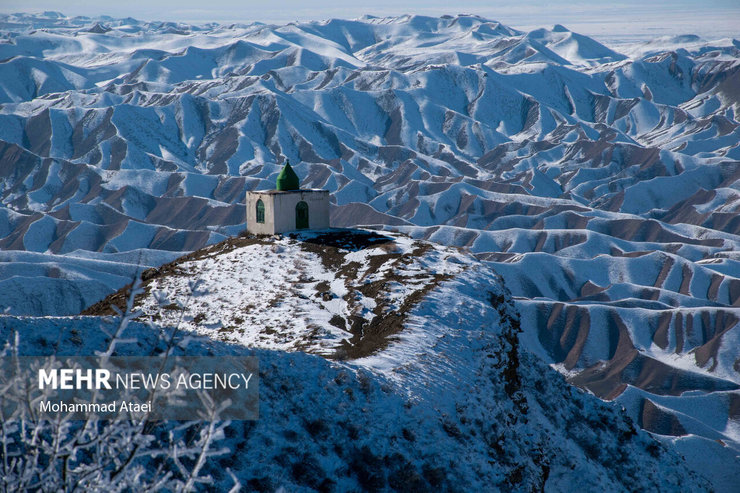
626,21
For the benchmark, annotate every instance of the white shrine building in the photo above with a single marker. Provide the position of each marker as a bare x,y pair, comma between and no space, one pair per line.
288,207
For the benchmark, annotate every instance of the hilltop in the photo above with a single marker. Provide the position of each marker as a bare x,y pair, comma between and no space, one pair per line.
343,293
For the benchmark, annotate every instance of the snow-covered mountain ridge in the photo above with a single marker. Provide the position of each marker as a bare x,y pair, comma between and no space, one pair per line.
146,135
388,303
432,391
601,182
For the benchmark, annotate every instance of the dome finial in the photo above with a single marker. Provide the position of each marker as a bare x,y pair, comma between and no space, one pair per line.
287,179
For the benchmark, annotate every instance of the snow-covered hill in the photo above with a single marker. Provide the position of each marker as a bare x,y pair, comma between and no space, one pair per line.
431,391
390,304
338,293
603,184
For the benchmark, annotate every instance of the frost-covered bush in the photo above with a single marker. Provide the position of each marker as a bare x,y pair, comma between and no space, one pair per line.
101,455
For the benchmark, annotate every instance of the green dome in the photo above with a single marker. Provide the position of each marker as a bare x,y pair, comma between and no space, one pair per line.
287,179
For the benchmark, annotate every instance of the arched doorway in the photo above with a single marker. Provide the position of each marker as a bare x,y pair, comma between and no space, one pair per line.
301,215
260,211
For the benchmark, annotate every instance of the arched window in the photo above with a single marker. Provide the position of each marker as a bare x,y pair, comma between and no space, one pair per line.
301,215
260,211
